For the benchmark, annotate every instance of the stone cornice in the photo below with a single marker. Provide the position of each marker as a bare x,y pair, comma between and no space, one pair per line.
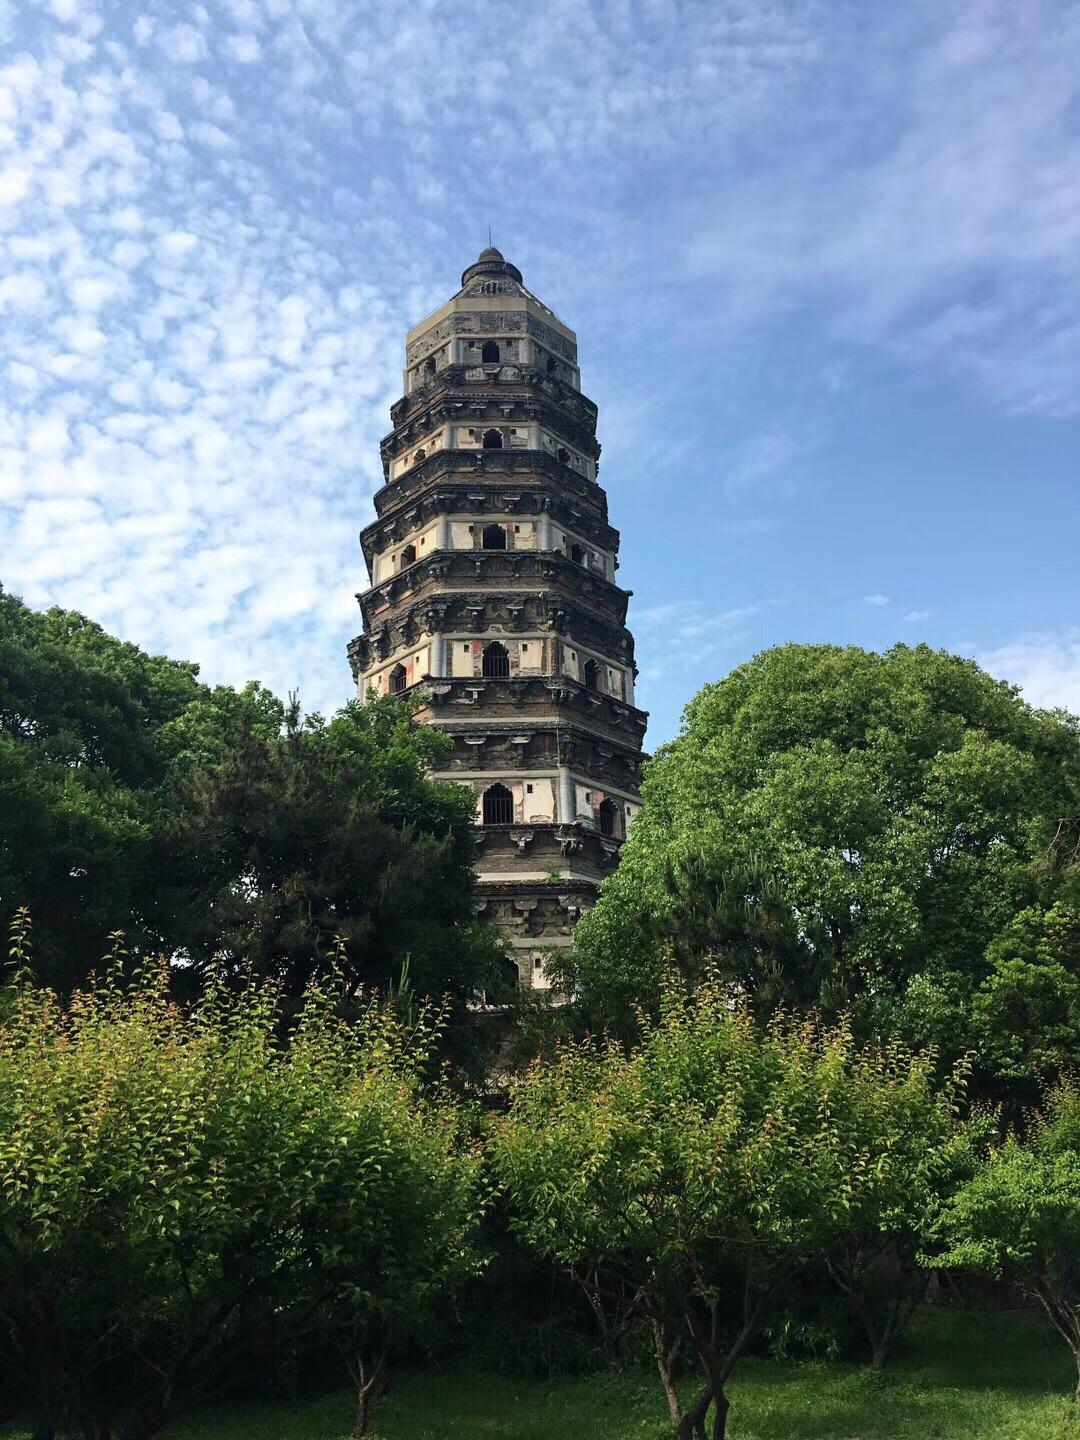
472,380
449,700
477,573
539,842
484,408
498,467
492,613
465,498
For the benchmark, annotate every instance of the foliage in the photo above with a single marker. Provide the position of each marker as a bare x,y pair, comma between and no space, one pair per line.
168,1174
93,732
833,826
331,831
701,1170
208,822
1019,1215
1027,1009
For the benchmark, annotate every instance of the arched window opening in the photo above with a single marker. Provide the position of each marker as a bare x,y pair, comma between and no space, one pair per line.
493,440
421,454
590,675
606,816
552,365
563,456
577,555
496,661
429,368
494,537
489,354
407,556
399,679
498,806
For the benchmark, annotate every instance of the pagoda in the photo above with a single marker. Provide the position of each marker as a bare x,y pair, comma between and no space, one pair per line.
493,597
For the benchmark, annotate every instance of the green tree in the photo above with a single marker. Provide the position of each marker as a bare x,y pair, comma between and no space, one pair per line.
93,735
168,1175
700,1171
831,825
209,821
1026,1011
328,832
1019,1216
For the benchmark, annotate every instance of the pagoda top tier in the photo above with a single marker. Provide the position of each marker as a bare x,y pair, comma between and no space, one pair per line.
490,262
493,319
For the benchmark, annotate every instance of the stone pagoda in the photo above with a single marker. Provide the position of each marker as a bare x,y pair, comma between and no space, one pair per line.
493,596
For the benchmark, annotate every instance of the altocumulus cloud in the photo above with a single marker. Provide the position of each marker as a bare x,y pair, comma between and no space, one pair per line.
218,219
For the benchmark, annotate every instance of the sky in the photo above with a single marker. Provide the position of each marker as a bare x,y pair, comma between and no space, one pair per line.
823,261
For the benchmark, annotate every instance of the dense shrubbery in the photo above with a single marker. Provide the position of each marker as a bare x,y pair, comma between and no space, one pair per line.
172,1176
695,1176
846,927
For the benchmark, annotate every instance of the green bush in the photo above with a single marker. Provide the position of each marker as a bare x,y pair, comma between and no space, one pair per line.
170,1175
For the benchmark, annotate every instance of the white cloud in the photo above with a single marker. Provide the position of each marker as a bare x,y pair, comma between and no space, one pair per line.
948,230
176,243
14,183
210,263
244,48
184,45
878,599
915,617
1046,667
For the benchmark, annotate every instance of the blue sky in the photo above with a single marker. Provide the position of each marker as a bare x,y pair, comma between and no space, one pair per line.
823,260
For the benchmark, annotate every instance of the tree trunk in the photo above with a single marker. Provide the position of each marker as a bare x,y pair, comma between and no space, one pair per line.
369,1386
693,1422
720,1414
665,1363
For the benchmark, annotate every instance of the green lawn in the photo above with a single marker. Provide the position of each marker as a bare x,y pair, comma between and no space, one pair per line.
959,1377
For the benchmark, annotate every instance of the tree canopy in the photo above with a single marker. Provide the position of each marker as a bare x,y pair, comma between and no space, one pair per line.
207,821
173,1173
702,1170
845,828
1018,1217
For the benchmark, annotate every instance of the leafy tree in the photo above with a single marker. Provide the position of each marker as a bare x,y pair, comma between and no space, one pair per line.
700,1171
1019,1215
327,832
93,733
1027,1009
168,1175
213,821
833,825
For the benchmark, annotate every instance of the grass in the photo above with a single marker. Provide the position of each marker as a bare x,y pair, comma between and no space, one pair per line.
958,1377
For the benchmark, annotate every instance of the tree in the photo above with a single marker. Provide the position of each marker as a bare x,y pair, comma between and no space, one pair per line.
831,826
167,1174
208,821
1019,1215
328,832
1026,1011
93,734
701,1170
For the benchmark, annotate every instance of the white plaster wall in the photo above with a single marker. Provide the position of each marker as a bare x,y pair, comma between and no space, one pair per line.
461,657
539,800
